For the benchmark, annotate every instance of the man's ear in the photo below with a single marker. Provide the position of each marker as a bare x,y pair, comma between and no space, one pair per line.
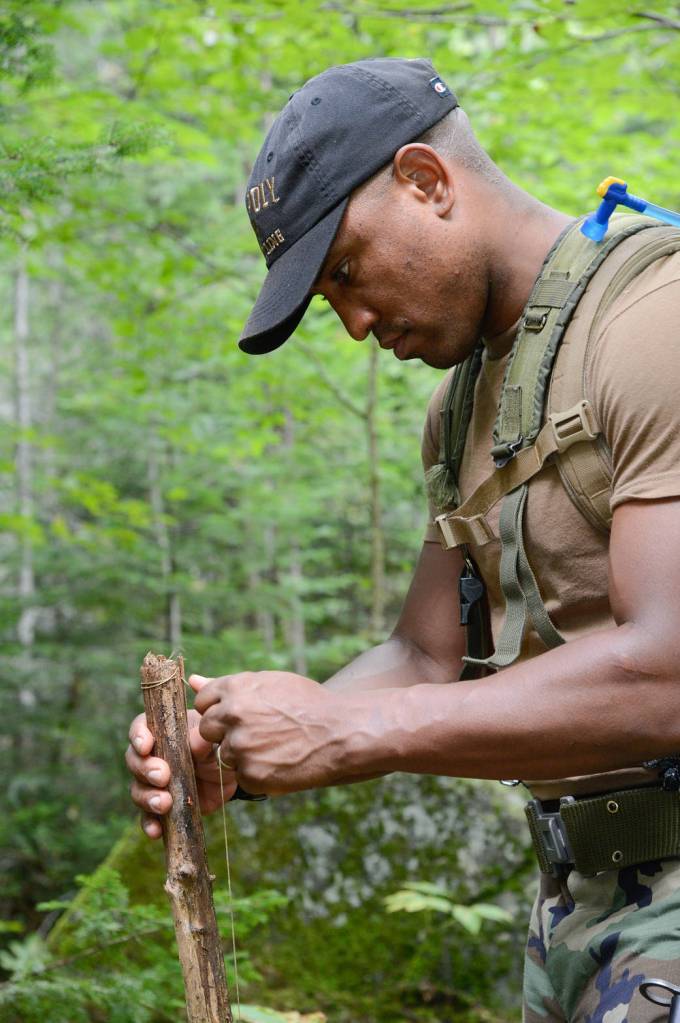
420,167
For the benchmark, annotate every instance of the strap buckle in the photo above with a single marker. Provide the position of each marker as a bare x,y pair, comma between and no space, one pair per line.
505,452
535,322
552,834
573,426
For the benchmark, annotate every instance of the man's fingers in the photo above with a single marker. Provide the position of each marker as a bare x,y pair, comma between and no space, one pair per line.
140,736
207,696
151,770
201,749
150,799
151,826
197,682
211,728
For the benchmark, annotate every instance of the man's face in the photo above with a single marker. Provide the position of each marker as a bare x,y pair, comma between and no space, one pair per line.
414,279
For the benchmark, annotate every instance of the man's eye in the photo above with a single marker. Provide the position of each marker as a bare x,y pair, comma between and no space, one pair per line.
341,275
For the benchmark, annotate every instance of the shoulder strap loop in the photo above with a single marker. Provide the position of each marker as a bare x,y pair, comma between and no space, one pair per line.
468,524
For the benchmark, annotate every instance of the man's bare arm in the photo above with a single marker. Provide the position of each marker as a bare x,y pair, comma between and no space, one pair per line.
606,701
427,643
426,646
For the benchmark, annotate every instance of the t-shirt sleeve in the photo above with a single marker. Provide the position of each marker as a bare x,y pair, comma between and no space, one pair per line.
430,450
634,381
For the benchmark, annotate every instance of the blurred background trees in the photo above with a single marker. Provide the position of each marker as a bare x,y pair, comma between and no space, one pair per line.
158,489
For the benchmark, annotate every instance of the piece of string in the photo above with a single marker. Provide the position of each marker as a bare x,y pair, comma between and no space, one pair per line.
231,900
160,681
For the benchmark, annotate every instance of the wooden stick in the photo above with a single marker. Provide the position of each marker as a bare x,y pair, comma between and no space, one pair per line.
188,882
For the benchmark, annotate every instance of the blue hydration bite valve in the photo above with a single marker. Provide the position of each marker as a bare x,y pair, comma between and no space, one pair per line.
614,192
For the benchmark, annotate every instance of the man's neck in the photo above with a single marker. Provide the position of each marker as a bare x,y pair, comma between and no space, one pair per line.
523,232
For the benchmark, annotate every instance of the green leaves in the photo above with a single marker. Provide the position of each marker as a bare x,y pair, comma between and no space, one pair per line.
182,494
256,1014
422,896
107,935
22,958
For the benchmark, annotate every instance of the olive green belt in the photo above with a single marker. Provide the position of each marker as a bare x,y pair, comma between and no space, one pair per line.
607,832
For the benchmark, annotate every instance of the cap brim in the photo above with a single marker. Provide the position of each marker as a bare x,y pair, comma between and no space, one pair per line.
284,295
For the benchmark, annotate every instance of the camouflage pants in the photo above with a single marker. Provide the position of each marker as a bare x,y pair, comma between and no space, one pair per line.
592,940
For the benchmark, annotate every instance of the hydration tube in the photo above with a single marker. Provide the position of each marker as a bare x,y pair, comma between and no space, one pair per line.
614,192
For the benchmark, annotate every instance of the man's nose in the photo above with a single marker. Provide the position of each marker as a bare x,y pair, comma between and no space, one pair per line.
358,320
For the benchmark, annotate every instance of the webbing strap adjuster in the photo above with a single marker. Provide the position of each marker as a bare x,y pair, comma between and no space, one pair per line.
573,426
535,322
503,453
475,530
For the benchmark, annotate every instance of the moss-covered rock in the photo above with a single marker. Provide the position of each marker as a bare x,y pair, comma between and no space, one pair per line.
335,855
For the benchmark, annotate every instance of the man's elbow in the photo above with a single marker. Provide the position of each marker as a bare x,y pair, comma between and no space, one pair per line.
644,652
438,666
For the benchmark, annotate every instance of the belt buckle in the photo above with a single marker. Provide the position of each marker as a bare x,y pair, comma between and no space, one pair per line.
553,836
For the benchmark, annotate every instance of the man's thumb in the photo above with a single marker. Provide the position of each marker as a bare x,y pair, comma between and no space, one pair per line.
198,681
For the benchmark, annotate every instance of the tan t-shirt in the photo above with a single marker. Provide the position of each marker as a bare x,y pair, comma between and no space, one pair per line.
633,382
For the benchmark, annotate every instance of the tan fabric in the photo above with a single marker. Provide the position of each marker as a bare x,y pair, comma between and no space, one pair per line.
633,381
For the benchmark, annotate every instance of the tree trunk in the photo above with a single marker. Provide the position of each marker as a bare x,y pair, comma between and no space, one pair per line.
264,619
296,632
173,604
24,477
188,883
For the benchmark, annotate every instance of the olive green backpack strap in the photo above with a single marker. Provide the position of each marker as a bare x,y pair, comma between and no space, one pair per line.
586,469
565,274
442,481
454,420
523,441
525,437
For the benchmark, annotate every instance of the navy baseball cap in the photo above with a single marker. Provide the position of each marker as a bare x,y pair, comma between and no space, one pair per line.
337,131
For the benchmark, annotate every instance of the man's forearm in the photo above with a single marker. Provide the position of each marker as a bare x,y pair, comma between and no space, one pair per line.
592,705
391,665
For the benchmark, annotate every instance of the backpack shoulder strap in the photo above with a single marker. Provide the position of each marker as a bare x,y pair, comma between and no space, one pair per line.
568,268
524,441
585,468
454,420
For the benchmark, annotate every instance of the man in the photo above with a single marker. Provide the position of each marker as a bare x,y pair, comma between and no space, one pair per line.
372,191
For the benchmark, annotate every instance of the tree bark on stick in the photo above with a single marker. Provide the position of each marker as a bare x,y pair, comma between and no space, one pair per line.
188,881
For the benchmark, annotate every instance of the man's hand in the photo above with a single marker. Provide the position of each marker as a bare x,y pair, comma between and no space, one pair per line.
152,775
281,732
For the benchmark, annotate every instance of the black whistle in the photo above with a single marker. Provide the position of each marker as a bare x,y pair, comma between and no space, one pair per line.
470,589
672,1003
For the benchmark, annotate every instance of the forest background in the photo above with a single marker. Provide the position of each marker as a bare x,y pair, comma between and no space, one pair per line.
158,489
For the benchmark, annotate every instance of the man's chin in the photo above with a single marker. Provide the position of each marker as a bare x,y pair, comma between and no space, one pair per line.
442,355
437,360
408,348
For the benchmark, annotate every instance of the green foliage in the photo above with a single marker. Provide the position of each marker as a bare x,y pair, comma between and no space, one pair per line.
419,896
120,963
257,1014
25,57
342,852
22,959
181,495
10,927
